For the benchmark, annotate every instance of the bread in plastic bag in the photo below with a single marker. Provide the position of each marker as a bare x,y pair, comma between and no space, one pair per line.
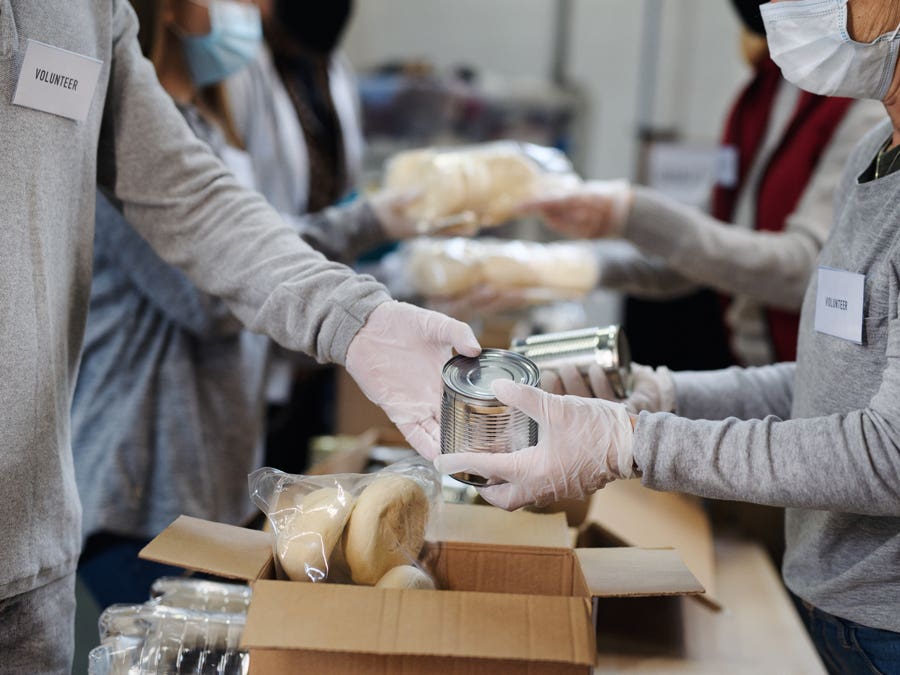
475,185
549,271
344,527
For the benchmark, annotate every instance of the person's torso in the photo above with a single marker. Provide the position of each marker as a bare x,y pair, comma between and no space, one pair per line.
47,181
844,563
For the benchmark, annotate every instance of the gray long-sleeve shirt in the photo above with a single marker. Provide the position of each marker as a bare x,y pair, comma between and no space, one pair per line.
181,200
821,437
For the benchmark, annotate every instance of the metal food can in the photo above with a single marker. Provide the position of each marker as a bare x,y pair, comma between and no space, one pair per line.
607,347
472,419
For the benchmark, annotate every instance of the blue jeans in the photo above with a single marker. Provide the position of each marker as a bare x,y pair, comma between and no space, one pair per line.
849,648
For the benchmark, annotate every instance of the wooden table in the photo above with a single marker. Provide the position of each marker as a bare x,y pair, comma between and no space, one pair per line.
758,631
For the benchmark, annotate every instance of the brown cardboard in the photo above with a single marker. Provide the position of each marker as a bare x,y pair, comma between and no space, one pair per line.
490,525
504,608
628,514
215,548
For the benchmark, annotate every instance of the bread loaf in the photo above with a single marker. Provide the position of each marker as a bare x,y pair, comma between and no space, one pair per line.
386,528
406,576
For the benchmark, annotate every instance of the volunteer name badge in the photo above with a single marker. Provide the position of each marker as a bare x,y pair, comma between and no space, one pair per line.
839,304
57,81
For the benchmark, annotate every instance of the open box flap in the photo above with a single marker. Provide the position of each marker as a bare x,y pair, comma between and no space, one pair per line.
338,618
630,514
636,572
215,548
490,525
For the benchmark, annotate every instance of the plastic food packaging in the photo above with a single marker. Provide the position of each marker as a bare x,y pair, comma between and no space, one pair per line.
476,185
351,528
200,595
544,272
155,639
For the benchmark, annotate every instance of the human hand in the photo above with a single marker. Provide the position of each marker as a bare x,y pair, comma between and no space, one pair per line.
396,359
584,444
652,389
482,300
590,211
392,209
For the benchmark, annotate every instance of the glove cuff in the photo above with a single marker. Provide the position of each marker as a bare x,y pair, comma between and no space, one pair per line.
666,384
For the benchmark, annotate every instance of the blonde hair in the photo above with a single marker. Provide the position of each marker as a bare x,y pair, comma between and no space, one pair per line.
211,99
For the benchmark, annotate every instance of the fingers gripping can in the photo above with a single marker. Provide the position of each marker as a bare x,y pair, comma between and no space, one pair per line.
607,347
472,419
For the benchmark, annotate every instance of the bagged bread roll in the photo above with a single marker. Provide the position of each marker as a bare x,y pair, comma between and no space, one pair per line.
310,527
386,528
451,267
406,576
478,185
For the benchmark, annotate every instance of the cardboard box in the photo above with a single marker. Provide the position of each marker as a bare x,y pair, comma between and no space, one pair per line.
507,607
625,513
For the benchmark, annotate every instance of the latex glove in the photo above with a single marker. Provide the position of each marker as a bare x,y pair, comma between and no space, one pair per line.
396,359
653,389
391,207
584,444
590,211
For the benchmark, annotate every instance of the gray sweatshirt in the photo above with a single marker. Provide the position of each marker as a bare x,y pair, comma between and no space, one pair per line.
180,199
821,437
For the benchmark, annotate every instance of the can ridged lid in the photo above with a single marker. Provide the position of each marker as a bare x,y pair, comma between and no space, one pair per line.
473,376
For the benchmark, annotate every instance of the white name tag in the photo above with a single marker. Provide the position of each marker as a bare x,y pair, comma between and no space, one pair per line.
839,304
57,81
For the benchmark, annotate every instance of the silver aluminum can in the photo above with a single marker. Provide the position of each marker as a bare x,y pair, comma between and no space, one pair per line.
606,346
472,419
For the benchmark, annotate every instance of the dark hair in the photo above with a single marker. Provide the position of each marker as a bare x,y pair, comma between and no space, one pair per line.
748,10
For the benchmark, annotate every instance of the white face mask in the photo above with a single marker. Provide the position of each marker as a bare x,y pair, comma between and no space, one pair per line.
808,39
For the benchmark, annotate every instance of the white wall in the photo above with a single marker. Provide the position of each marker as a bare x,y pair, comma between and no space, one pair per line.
699,65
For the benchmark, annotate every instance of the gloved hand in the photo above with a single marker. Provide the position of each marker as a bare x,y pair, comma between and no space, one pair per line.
391,207
592,210
584,444
396,359
653,389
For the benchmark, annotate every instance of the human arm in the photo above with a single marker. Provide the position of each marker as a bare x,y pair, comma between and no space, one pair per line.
231,244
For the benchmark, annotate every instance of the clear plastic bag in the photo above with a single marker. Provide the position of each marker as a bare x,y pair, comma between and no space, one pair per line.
351,527
153,639
536,272
476,185
200,595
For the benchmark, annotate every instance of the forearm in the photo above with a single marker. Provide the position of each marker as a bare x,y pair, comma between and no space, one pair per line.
745,393
227,240
341,233
772,267
625,269
848,463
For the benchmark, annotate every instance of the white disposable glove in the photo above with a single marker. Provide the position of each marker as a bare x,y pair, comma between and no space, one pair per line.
592,210
396,359
652,390
583,444
391,207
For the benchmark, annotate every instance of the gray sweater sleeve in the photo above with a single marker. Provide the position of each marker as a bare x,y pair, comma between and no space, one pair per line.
343,232
771,267
227,240
745,393
842,462
625,269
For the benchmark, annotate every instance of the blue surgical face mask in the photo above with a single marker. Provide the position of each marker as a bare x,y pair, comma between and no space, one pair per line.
232,42
809,41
